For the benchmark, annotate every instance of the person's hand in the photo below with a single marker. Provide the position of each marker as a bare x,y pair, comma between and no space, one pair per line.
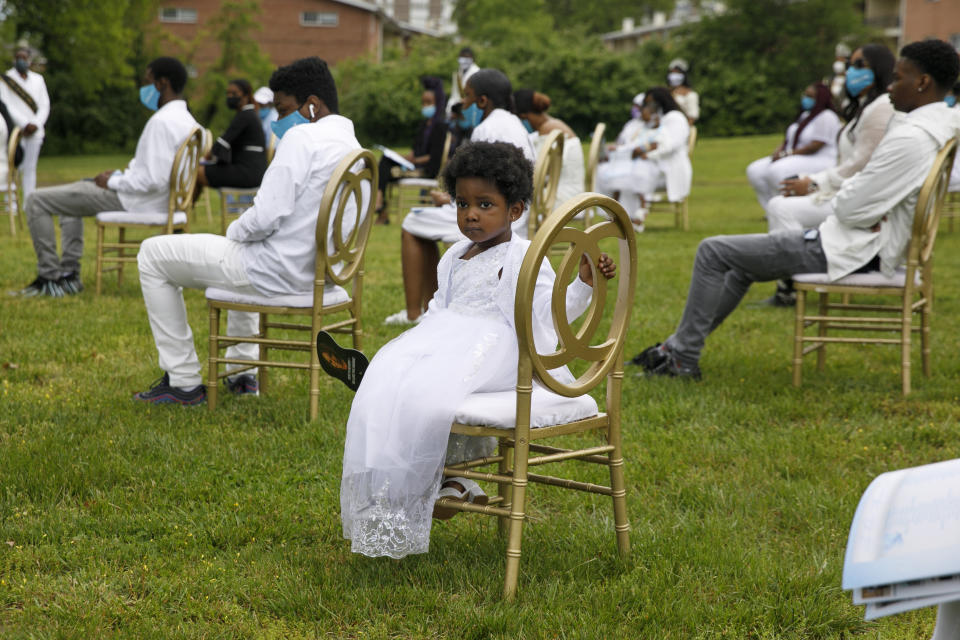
639,153
101,179
875,228
605,265
440,198
408,156
611,146
29,130
795,186
651,146
779,153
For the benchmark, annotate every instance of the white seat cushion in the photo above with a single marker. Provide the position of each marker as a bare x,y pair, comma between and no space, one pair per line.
332,294
132,217
426,183
868,279
499,409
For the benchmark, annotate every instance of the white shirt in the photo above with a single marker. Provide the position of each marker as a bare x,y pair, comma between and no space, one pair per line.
886,191
689,102
144,186
855,145
22,114
279,230
457,81
823,128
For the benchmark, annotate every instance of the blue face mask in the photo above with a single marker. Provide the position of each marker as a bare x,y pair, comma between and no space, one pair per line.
858,80
635,112
806,103
428,111
527,125
950,100
463,124
283,125
150,97
472,116
264,112
21,65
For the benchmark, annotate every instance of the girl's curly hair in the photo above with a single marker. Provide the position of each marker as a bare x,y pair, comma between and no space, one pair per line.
499,162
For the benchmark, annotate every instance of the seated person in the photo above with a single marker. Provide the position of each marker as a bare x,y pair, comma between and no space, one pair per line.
487,110
869,228
427,150
263,98
951,100
143,187
269,250
805,201
614,168
240,152
658,162
399,424
810,145
532,109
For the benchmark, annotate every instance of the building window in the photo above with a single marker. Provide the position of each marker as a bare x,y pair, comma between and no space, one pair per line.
319,19
176,14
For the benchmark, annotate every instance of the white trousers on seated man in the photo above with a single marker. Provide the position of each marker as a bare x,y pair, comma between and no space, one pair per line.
168,263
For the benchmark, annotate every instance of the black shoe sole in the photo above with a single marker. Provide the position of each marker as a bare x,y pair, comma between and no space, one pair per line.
346,365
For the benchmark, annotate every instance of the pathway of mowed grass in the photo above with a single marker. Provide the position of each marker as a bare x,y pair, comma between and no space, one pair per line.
122,520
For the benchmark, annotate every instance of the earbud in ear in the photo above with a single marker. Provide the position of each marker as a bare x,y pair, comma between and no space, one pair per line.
312,115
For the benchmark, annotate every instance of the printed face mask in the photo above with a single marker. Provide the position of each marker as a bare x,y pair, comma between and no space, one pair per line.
858,80
284,124
150,97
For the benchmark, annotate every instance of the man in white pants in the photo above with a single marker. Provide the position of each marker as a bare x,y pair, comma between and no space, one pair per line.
25,94
270,250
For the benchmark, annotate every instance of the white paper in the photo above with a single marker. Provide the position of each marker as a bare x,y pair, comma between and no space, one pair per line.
906,590
396,157
881,609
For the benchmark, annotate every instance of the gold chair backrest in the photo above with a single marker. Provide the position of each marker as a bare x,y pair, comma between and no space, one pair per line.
183,175
593,157
447,142
345,219
271,147
207,144
546,176
926,217
603,352
13,141
692,140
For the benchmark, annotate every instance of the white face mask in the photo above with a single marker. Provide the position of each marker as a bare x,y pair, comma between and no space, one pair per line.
464,63
839,67
675,78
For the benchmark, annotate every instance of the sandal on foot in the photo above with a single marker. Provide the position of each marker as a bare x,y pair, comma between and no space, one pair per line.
471,493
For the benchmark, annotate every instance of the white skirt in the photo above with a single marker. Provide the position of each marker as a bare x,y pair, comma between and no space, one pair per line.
399,425
433,223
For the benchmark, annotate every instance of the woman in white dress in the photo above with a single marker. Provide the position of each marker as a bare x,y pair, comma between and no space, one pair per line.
399,424
810,145
805,201
679,83
663,163
616,166
532,110
487,101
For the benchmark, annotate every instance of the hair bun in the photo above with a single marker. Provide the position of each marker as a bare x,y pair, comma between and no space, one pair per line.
541,101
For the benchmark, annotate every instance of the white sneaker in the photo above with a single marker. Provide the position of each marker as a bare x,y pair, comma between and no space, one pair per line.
638,218
400,318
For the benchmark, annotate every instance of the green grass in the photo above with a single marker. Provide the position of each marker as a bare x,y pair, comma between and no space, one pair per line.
120,520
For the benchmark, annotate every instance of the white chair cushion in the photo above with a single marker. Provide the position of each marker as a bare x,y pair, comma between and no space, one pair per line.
868,279
132,217
499,409
332,294
426,183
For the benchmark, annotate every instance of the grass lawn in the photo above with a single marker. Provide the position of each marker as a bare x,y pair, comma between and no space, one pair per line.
121,520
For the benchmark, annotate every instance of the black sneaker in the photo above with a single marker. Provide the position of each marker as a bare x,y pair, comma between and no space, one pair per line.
670,368
70,283
41,287
162,393
243,385
651,357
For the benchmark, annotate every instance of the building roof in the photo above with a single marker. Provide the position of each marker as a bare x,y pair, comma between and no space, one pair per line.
360,4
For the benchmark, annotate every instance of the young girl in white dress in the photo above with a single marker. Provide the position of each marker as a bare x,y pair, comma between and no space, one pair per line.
399,424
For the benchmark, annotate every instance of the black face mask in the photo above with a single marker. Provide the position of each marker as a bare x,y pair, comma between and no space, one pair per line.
233,102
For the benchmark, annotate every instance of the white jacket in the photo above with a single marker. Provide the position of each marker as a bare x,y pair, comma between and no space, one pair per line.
671,156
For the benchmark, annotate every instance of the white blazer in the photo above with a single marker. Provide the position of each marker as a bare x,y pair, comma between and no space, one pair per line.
671,157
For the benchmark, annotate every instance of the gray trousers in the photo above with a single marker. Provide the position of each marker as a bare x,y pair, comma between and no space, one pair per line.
72,202
724,269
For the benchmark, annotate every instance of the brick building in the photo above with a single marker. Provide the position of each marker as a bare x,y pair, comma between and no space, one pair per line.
332,29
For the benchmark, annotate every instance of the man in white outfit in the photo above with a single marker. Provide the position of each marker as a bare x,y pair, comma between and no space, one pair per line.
270,250
25,94
466,67
868,230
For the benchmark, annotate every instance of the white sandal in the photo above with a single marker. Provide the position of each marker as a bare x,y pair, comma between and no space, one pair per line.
471,493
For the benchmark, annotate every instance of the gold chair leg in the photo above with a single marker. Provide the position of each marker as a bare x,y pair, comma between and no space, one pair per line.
799,312
264,354
905,343
515,533
822,331
925,338
11,202
100,232
314,376
120,254
618,486
212,367
504,490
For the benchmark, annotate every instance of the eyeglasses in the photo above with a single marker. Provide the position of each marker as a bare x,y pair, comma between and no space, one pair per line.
859,63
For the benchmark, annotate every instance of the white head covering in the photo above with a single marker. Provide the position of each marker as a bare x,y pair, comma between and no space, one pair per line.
841,50
679,63
263,95
638,99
